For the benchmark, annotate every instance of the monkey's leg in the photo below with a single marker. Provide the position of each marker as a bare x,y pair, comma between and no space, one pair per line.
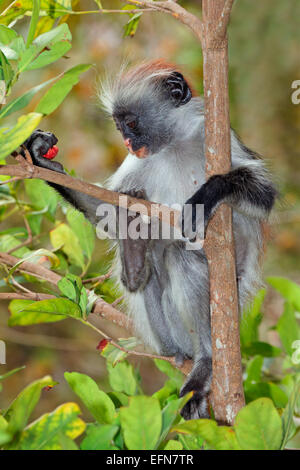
246,190
189,292
38,145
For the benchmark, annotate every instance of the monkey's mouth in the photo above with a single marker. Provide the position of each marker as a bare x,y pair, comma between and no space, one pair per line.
140,153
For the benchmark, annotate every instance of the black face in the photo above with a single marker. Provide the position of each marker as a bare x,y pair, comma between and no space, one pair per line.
144,125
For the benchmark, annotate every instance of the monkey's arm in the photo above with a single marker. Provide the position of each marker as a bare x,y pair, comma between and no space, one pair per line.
135,270
246,188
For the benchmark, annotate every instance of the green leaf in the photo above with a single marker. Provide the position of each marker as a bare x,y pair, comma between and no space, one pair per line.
45,433
26,312
173,445
288,289
262,349
289,427
132,25
253,370
26,57
217,437
6,71
114,354
288,328
170,413
84,230
8,242
83,302
169,388
48,57
266,389
141,423
7,34
13,138
33,22
57,93
17,9
49,39
121,377
258,426
63,237
21,408
251,319
41,195
170,371
67,288
21,101
99,437
97,402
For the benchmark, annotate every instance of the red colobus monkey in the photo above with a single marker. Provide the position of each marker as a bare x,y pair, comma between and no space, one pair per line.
165,285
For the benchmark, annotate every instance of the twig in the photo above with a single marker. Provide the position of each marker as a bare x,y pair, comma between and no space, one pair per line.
97,279
177,11
185,368
25,296
117,301
11,180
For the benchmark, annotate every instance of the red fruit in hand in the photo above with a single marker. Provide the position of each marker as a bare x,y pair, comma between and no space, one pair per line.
51,153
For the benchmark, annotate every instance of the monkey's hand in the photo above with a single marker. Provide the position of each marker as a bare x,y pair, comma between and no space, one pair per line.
135,268
38,144
193,222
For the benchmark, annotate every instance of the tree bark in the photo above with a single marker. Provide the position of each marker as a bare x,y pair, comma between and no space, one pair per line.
227,396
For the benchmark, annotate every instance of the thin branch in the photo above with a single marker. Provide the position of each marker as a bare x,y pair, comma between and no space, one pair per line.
97,279
185,368
177,11
11,180
221,28
148,208
25,296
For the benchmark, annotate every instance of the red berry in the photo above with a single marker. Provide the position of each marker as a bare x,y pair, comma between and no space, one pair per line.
102,344
51,153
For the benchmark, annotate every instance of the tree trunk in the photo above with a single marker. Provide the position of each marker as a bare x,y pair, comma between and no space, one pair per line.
227,395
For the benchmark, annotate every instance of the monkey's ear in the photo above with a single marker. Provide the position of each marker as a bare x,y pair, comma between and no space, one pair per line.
178,89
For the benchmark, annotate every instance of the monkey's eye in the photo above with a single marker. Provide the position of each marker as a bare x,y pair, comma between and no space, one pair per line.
131,124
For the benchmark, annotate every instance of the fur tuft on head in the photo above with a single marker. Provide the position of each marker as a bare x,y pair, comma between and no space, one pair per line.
132,84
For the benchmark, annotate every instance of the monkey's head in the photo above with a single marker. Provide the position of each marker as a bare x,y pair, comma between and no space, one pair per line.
144,104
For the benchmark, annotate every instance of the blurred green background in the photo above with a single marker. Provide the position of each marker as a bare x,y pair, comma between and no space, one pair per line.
264,54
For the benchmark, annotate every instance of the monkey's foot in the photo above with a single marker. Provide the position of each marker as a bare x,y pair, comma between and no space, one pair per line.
196,408
197,382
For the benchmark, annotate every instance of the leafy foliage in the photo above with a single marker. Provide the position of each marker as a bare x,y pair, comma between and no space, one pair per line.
124,417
